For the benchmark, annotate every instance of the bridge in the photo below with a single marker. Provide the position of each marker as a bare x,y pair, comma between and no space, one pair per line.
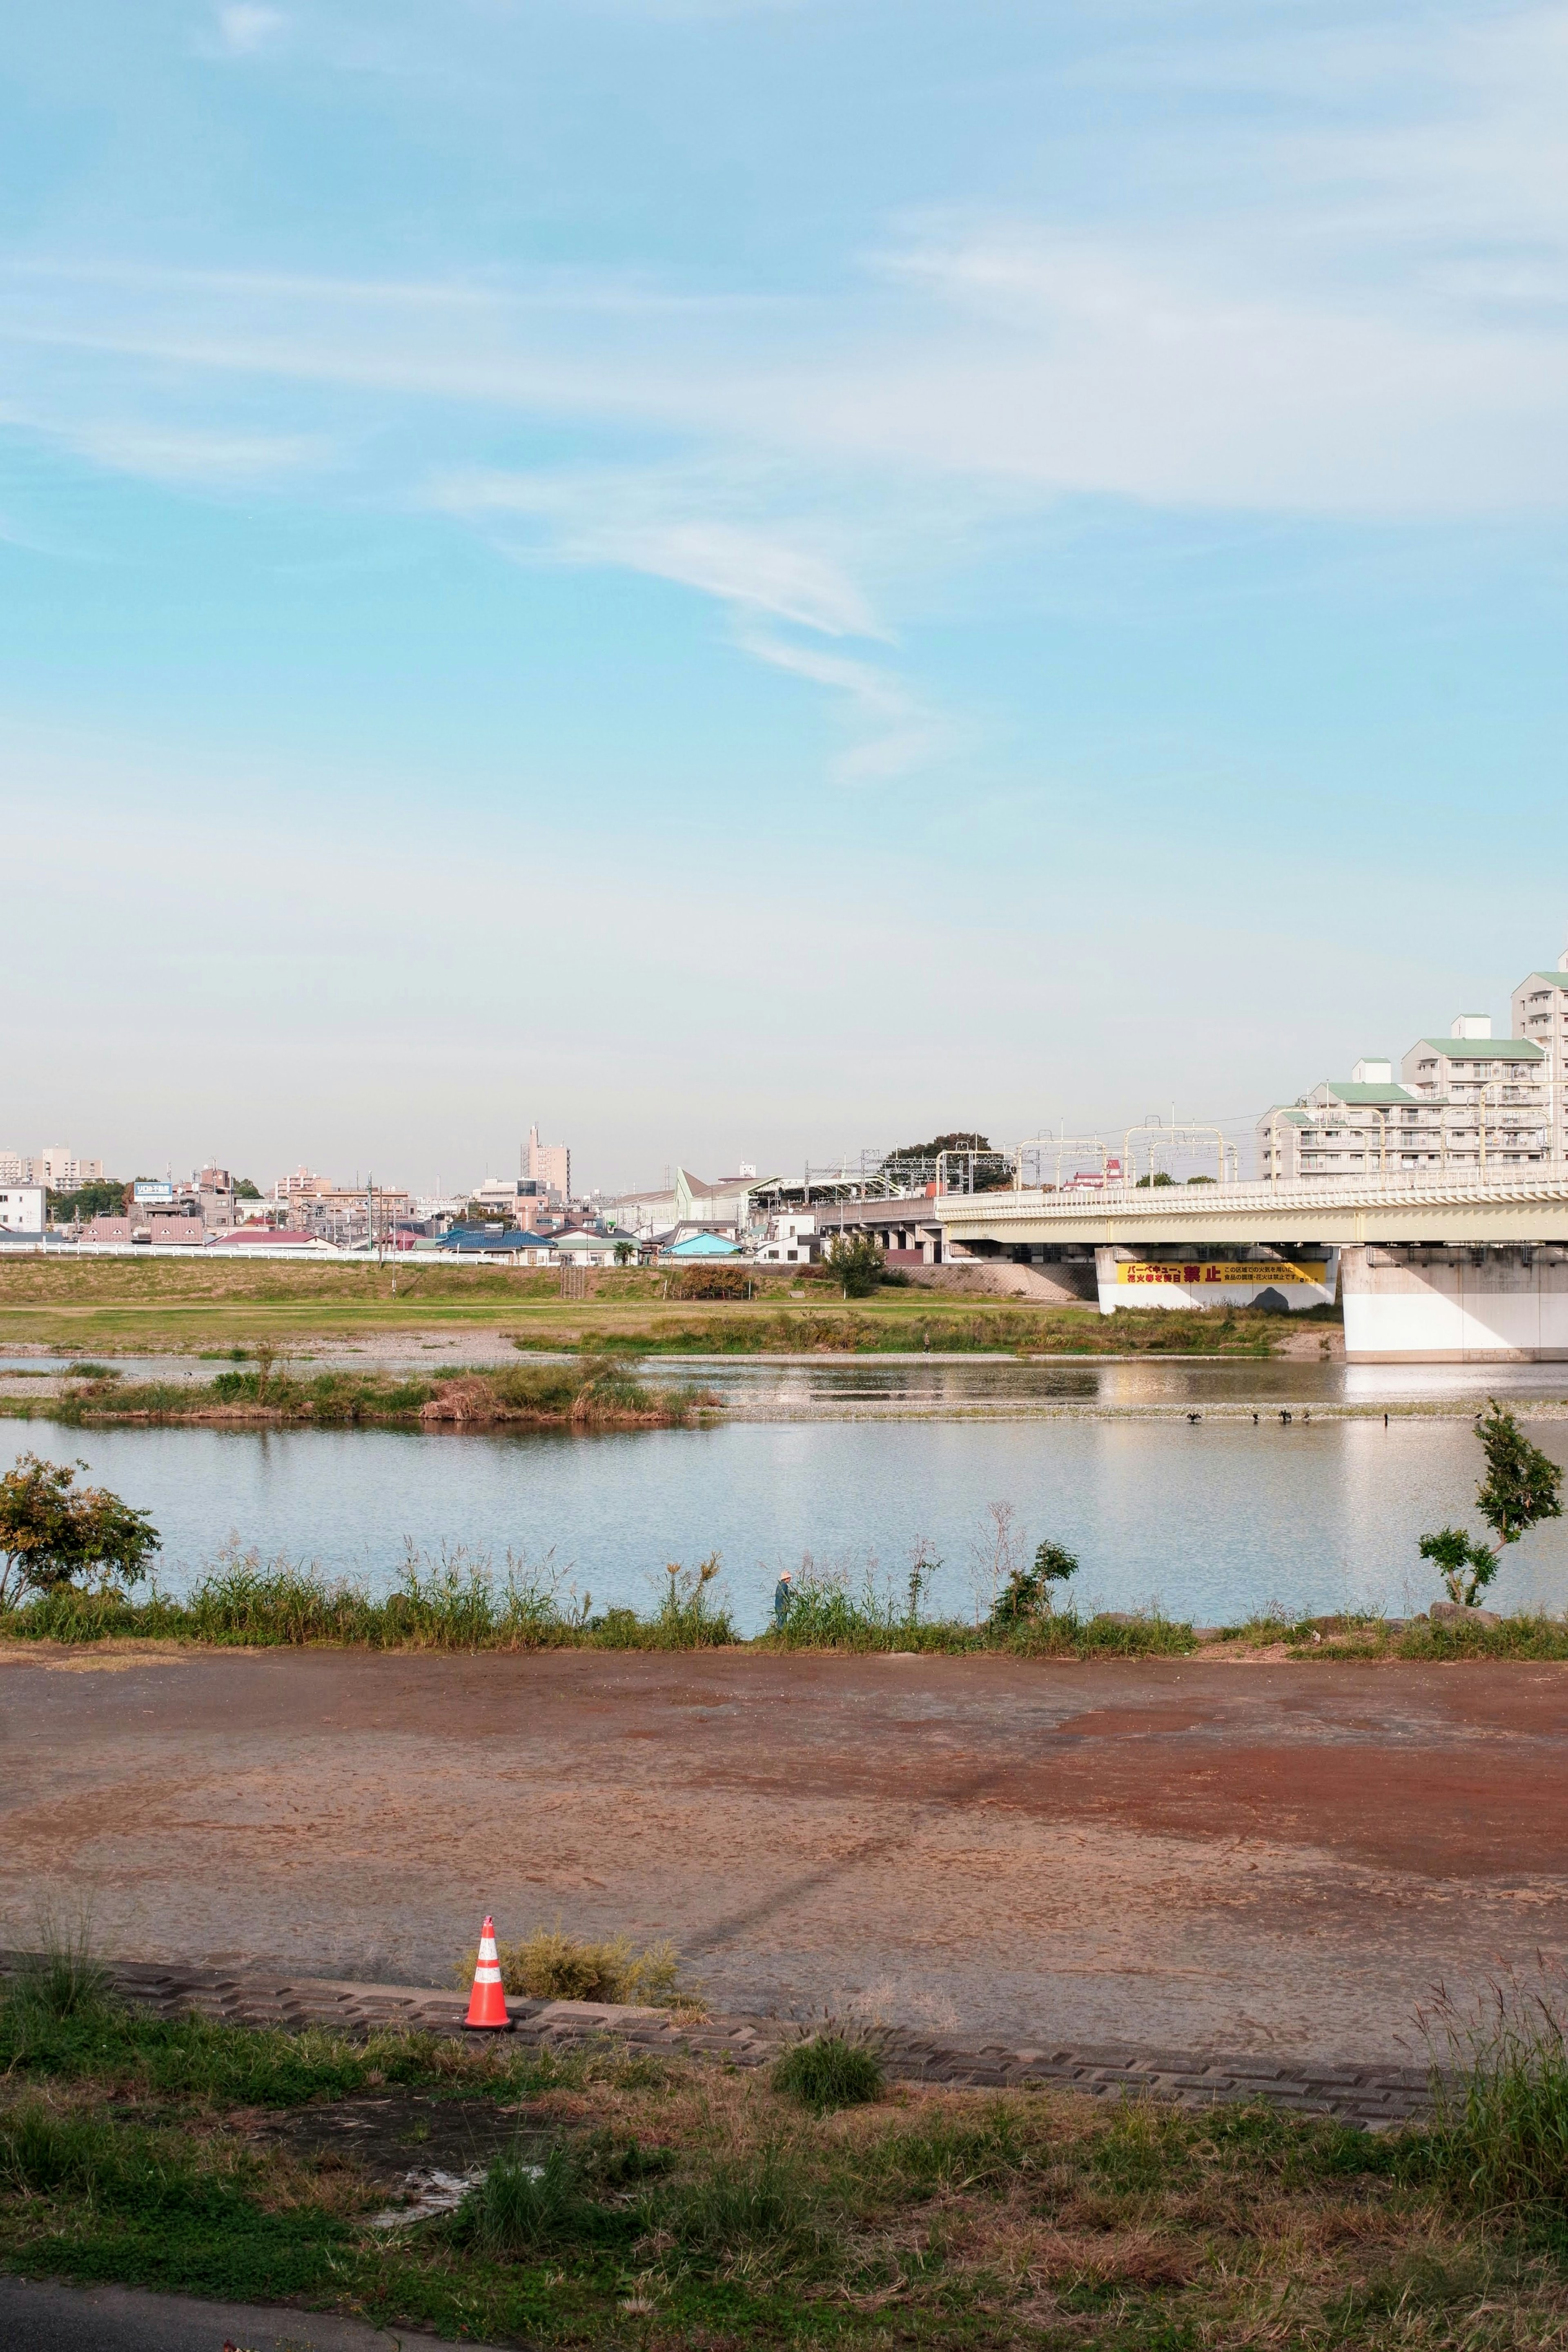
1431,1269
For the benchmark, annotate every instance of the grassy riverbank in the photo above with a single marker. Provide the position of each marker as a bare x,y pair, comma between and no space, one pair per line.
93,1308
596,1392
633,2200
459,1603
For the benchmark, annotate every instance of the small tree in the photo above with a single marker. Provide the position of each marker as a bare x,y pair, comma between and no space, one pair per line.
623,1252
52,1531
855,1261
1026,1593
1521,1487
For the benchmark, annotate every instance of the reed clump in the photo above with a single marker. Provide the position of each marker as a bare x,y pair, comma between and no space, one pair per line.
453,1599
593,1389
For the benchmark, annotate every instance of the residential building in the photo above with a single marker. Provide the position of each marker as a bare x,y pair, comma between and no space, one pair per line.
529,1199
215,1188
1461,1104
511,1245
1540,1013
303,1185
62,1172
791,1239
351,1214
548,1164
56,1168
1495,1093
594,1249
22,1208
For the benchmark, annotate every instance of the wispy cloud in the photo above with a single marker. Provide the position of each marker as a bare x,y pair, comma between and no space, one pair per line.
210,460
670,523
895,734
662,521
247,27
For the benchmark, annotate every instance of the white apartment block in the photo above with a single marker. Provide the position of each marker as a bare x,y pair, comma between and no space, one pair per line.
22,1208
1540,1013
1463,1104
56,1167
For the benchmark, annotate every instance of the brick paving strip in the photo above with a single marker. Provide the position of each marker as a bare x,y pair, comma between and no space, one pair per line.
1371,2094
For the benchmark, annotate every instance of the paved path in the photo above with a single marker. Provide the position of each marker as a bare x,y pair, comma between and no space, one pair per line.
1371,2094
44,2315
1276,1861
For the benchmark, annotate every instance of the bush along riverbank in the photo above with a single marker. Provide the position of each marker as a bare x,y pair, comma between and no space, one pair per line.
457,1602
595,1392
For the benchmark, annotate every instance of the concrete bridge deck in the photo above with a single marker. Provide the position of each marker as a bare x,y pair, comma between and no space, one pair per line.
1526,1207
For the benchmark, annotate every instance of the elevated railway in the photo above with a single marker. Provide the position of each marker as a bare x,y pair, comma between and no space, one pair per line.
1431,1269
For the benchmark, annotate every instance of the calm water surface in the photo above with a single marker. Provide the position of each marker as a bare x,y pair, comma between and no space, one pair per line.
1213,1520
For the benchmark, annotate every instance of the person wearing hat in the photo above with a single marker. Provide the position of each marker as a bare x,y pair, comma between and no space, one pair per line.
782,1598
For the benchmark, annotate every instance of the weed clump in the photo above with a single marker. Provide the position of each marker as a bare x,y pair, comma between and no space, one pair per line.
549,1965
1499,2135
827,2072
521,2208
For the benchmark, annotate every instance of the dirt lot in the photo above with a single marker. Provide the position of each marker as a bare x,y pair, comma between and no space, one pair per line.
1191,1854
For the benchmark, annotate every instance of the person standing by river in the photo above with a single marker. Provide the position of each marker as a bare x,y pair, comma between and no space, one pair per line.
781,1598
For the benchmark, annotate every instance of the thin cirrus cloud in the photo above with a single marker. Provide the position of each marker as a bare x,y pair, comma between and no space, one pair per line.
1138,366
894,733
761,574
646,521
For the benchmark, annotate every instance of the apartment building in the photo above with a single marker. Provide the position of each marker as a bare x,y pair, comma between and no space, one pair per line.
1461,1104
1488,1100
1540,1008
548,1164
56,1167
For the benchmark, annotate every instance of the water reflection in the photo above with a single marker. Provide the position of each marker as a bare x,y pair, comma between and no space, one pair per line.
1215,1519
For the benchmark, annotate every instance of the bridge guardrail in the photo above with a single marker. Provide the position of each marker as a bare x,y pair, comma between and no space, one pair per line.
1398,1189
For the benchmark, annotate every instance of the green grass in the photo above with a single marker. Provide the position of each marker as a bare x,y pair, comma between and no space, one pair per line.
100,1307
454,1602
667,2204
828,2071
597,1390
825,1614
1350,1637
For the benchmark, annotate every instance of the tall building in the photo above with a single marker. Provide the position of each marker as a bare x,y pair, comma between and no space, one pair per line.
548,1164
56,1166
1540,1013
1462,1104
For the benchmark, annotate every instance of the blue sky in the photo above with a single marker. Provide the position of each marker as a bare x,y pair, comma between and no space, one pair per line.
750,580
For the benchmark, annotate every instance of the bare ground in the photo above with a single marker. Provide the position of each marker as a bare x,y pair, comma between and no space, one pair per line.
1275,1857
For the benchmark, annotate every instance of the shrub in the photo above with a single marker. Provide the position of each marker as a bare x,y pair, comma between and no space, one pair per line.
1026,1593
827,2072
550,1965
52,1531
1521,1487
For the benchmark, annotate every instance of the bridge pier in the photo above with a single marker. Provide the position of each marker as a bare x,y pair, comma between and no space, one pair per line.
1413,1304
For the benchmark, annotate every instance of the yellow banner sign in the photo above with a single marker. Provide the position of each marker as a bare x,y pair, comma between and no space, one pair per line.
1137,1271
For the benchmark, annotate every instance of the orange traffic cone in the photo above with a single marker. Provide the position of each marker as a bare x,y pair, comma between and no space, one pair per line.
488,2003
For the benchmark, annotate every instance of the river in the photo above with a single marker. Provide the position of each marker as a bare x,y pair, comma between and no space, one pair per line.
852,1464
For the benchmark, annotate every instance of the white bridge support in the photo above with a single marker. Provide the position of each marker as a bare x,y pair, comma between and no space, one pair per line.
1469,1269
1456,1305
